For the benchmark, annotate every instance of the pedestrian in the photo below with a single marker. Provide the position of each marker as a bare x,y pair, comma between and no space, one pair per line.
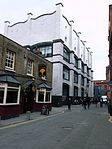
84,103
110,110
69,103
96,101
88,102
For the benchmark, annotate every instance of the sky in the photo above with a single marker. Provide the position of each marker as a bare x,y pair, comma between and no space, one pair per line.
91,18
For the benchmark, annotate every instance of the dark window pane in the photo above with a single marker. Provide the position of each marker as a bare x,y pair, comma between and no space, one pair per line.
47,96
12,95
1,95
41,97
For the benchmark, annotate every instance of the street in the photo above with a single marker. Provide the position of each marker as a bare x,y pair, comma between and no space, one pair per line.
75,129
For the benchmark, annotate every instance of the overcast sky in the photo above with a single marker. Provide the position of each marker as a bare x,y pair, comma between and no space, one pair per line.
90,18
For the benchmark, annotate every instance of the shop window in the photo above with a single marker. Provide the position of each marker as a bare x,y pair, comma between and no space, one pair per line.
10,59
43,96
12,95
9,95
1,94
47,97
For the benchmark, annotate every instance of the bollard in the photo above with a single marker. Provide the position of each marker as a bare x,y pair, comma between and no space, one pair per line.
28,115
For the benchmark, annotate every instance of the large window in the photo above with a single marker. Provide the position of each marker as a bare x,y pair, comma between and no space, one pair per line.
76,62
10,59
30,67
12,95
1,94
66,73
75,77
43,96
82,67
82,80
9,95
66,55
75,91
46,51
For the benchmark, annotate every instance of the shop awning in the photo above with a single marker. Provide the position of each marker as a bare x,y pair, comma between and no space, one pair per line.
8,79
44,85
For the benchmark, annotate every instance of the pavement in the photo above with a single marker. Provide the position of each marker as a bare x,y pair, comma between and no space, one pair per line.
30,117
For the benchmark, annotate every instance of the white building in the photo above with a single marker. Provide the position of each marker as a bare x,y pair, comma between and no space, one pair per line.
59,43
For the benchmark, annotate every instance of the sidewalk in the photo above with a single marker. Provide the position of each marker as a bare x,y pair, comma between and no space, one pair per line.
30,116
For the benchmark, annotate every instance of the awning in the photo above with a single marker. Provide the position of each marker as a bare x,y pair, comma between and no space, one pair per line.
44,85
27,83
8,79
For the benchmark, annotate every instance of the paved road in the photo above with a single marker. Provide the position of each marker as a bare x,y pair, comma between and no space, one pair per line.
75,129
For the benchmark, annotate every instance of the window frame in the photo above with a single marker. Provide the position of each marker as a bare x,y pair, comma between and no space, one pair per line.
6,87
45,92
8,60
30,67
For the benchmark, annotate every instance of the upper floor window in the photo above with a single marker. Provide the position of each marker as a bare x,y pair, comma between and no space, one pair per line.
75,77
10,60
82,80
66,73
82,67
66,55
30,67
76,62
46,51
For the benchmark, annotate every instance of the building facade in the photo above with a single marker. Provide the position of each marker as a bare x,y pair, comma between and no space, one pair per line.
25,79
53,35
109,68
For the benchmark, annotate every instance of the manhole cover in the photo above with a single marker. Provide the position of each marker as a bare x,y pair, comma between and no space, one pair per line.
68,128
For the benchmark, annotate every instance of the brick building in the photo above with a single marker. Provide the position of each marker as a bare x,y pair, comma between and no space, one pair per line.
25,79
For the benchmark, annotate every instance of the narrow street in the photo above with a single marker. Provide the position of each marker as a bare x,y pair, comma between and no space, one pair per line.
75,129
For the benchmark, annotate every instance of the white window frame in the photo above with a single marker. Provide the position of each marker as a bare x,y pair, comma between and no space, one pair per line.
10,56
30,67
43,90
5,86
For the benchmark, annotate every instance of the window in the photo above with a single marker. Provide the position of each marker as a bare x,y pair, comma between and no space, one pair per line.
66,55
66,73
47,97
46,51
10,59
75,91
30,67
43,96
9,95
1,94
75,77
82,67
12,95
76,62
82,80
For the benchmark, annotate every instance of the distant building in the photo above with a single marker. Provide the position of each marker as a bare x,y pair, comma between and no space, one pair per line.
25,79
53,35
100,88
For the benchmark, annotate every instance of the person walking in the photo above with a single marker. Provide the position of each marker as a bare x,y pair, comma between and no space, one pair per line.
69,102
84,103
88,102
